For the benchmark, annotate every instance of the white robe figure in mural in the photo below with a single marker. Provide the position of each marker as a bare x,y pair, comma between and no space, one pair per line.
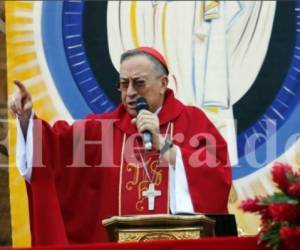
214,49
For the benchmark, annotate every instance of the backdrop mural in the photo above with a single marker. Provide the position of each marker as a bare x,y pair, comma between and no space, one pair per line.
237,60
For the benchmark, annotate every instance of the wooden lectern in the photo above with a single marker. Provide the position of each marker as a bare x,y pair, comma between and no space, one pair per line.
158,226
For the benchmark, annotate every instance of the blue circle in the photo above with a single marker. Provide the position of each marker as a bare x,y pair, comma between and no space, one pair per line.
56,59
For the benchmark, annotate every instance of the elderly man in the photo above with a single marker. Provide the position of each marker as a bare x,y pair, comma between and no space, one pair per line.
98,167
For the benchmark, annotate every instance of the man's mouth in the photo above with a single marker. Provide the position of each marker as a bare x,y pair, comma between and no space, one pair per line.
131,104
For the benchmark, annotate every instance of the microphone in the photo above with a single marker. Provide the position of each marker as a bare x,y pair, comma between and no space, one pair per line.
141,103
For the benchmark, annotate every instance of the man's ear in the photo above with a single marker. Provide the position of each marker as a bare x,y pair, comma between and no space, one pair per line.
164,82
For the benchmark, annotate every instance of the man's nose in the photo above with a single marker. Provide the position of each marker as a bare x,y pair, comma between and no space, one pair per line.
131,89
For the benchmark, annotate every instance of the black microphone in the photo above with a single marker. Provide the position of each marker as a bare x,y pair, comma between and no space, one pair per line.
141,103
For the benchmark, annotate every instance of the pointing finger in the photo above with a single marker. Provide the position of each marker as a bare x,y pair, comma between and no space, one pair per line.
20,86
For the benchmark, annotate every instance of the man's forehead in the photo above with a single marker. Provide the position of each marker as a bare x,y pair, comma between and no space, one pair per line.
124,75
139,58
136,66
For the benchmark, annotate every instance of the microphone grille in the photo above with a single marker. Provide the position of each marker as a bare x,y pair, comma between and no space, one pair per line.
141,103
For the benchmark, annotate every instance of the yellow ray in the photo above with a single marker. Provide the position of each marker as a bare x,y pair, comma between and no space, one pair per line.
23,64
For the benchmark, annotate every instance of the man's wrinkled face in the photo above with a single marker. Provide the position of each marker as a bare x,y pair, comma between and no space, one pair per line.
139,78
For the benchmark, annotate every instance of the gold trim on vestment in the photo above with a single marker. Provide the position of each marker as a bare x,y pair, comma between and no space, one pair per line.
171,139
136,175
121,173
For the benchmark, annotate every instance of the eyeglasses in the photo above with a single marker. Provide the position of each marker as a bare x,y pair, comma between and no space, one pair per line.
138,85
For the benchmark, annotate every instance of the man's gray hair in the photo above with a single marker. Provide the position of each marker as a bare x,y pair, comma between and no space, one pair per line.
158,67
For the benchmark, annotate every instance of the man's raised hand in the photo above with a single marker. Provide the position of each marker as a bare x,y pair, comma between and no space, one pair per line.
20,104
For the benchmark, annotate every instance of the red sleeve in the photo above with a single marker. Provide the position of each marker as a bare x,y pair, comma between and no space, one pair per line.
46,221
206,162
58,175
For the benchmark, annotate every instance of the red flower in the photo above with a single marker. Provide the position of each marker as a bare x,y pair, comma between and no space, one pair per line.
284,212
280,213
265,216
290,237
294,189
252,205
280,172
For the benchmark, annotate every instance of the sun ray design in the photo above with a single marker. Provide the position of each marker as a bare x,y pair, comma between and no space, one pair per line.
23,64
